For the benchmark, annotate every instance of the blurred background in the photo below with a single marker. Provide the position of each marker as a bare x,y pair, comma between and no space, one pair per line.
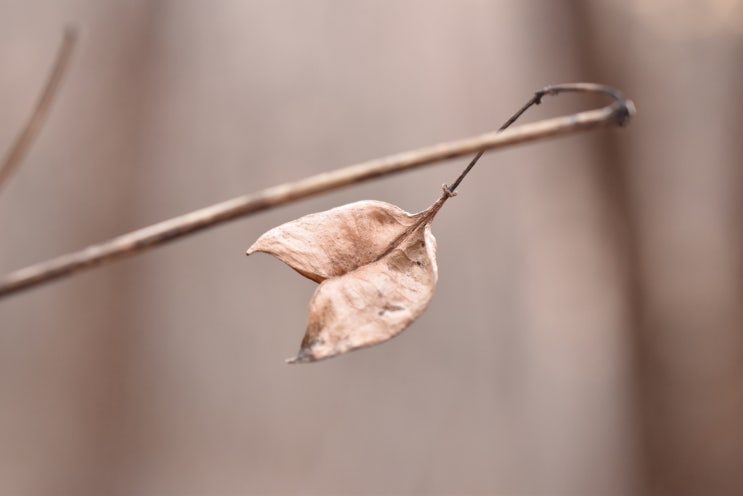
586,336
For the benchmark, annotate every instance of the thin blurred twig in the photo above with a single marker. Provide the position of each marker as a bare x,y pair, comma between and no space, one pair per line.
138,241
25,139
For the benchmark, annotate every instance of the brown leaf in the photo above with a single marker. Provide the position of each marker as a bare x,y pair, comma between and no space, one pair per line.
373,303
377,268
337,241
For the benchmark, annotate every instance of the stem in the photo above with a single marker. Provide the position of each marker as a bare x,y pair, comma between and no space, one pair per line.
626,109
25,139
449,191
158,234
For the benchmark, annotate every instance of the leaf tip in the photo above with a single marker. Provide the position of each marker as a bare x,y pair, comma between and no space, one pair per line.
302,357
252,249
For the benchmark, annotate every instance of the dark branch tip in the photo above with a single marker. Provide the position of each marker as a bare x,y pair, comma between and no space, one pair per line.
623,112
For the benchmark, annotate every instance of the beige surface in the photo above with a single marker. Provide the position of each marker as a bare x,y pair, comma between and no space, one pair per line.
585,336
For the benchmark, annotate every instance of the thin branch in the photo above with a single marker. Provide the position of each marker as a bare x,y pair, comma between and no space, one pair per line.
534,100
155,235
28,134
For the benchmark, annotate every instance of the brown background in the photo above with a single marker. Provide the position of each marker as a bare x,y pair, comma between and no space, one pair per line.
586,337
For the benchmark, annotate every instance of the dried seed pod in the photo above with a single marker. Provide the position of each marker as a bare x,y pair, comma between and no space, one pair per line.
377,267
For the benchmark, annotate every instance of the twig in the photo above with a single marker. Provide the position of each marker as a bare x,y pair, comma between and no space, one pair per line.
155,235
449,191
28,134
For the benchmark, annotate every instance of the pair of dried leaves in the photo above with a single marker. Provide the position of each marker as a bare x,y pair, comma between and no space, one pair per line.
376,265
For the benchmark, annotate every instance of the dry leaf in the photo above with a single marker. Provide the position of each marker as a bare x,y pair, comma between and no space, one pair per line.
339,240
377,264
372,303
